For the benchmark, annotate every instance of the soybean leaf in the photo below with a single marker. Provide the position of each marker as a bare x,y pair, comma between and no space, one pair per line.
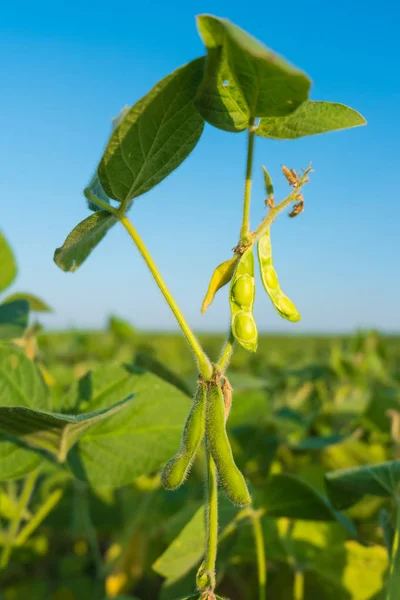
154,137
347,486
8,266
13,318
243,79
287,496
95,186
139,440
186,550
54,432
35,303
82,240
388,530
317,443
20,384
149,363
311,118
360,570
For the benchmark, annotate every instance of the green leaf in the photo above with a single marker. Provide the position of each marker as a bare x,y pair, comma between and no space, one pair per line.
82,240
139,440
121,329
243,79
95,186
154,137
359,569
20,384
149,363
185,552
347,486
317,443
8,266
54,432
13,318
35,303
311,118
287,496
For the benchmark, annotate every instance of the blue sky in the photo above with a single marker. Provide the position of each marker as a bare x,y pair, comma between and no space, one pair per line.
68,67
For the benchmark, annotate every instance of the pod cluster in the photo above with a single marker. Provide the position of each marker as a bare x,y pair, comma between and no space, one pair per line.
207,418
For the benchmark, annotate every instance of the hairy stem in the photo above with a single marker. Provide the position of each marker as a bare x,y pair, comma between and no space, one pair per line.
245,229
203,362
14,525
260,550
212,517
226,353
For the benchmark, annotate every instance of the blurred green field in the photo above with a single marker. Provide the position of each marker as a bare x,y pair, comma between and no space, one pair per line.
301,406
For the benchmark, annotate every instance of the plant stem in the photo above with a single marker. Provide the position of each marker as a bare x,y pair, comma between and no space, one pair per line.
226,353
203,362
212,517
260,550
245,230
14,525
394,573
298,585
99,202
39,517
274,212
84,505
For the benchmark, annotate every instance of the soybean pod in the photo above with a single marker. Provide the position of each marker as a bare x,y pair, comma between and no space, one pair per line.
218,445
241,298
177,469
283,305
220,277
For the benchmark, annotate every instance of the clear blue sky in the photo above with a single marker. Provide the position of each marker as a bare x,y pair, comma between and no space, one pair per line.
67,67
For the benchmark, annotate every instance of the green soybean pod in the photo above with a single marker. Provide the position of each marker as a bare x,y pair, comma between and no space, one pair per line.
241,298
218,445
283,305
177,469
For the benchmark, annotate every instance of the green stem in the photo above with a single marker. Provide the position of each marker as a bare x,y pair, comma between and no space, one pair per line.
21,506
203,362
39,517
260,550
84,506
212,518
274,212
99,202
298,585
245,230
226,353
394,573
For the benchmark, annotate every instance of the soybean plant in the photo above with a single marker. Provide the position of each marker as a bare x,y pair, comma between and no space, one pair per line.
238,86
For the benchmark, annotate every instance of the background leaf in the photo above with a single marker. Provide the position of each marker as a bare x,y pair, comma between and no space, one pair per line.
288,496
154,137
311,118
82,240
54,432
348,486
8,266
13,318
35,303
140,439
20,384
